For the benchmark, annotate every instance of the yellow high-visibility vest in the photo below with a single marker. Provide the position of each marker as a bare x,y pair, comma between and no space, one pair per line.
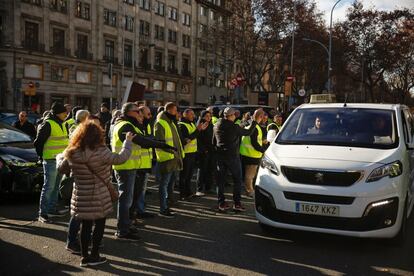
246,147
214,120
192,145
146,156
69,123
162,155
134,161
57,141
268,127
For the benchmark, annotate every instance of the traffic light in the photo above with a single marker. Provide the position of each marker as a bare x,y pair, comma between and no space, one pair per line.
30,89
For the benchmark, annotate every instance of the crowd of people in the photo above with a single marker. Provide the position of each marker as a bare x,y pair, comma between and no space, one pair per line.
125,146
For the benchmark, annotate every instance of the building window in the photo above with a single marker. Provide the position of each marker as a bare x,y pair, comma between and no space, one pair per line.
59,5
185,88
186,41
158,59
203,11
202,63
107,81
212,15
109,18
202,80
157,85
159,33
187,2
144,28
159,8
82,50
129,23
172,14
33,2
33,71
171,86
171,63
172,36
186,19
59,73
128,55
58,42
143,82
130,2
109,50
82,10
185,64
84,102
202,28
31,35
83,76
145,4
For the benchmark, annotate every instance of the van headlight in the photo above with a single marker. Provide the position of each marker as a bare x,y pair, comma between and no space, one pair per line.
267,163
392,170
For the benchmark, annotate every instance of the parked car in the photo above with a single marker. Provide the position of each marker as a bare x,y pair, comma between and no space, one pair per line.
351,175
20,171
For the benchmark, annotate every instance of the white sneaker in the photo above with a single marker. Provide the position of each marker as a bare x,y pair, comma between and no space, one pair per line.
200,194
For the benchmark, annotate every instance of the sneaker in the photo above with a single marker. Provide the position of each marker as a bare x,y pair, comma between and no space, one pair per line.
239,208
96,260
73,248
54,214
84,261
133,229
145,215
223,207
250,194
167,214
129,236
199,194
44,219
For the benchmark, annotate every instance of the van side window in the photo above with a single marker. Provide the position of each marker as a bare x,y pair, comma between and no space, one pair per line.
408,123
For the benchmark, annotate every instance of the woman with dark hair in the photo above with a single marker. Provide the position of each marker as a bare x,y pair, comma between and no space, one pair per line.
90,162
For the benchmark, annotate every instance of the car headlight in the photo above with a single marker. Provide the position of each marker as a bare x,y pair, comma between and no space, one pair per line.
12,160
391,170
267,163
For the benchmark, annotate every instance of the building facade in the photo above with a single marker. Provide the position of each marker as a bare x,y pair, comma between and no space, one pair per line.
65,49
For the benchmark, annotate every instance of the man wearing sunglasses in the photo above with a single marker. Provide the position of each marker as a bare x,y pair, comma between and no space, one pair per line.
24,125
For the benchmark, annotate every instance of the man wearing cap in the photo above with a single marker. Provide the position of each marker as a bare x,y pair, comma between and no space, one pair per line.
126,173
51,139
226,139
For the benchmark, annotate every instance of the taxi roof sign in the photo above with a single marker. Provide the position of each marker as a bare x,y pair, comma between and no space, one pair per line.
322,98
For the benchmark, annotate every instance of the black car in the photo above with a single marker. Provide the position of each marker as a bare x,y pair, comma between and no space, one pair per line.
20,171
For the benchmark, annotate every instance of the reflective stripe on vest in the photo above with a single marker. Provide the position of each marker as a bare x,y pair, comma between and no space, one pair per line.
134,161
57,141
214,120
268,127
238,122
246,147
192,146
70,122
146,156
163,155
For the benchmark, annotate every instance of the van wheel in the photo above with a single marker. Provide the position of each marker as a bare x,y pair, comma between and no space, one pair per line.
400,238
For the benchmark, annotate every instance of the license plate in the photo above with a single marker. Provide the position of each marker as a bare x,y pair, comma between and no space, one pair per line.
316,209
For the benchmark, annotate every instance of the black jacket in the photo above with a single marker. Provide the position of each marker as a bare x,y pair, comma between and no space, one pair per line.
227,135
141,140
43,133
205,139
184,134
27,128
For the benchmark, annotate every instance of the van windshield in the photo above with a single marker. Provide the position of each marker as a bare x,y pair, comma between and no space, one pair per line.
353,127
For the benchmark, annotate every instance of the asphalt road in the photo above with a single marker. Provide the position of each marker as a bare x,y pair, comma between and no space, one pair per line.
198,241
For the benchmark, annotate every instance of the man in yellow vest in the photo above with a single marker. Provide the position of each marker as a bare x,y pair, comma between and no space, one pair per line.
138,206
126,173
71,118
251,150
169,163
51,139
189,133
276,124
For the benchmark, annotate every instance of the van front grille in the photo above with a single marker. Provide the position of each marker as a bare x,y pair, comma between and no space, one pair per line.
321,177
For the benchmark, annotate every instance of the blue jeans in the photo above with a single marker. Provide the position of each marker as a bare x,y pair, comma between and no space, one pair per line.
138,204
164,180
73,230
50,190
141,198
126,182
232,164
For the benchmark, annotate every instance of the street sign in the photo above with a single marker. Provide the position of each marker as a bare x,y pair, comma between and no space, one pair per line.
30,89
302,92
290,78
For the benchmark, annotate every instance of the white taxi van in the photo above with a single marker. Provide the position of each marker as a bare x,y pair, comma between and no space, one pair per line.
343,169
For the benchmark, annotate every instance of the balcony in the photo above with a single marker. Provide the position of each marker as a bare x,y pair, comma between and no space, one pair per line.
58,8
159,68
111,59
83,55
60,51
128,63
145,66
33,46
173,70
186,73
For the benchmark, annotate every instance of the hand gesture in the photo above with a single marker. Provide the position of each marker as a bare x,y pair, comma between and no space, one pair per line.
265,142
129,136
202,126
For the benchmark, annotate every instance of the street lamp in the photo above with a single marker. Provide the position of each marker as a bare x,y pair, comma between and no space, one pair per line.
330,48
326,50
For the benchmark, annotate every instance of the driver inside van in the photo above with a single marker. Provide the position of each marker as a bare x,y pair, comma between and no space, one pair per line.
381,131
317,128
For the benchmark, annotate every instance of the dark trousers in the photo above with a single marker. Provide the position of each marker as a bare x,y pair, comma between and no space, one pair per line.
206,172
232,164
186,174
96,236
73,230
139,188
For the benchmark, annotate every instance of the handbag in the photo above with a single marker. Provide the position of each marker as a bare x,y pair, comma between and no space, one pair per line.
112,191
